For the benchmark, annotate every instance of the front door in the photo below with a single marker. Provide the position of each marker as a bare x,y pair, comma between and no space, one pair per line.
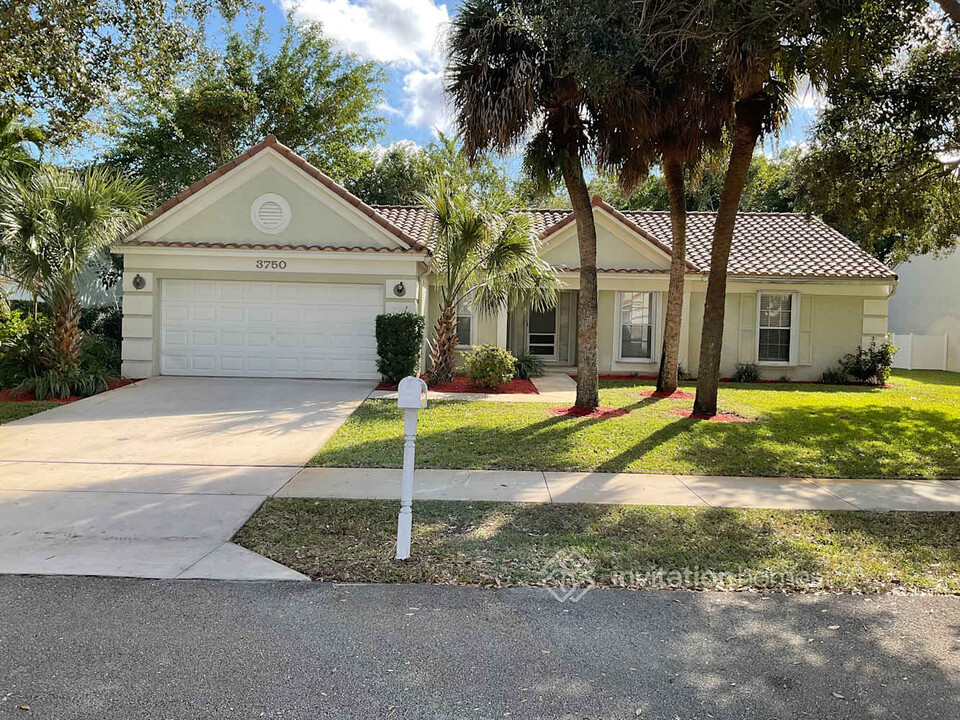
542,334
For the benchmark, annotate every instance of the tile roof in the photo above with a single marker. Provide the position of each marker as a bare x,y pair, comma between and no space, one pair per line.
764,244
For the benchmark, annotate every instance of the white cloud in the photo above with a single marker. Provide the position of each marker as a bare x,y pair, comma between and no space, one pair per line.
427,105
404,33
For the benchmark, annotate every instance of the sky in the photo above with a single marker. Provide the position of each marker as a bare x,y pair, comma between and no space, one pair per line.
406,36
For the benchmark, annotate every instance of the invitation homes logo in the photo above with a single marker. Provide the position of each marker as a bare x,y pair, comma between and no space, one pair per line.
568,576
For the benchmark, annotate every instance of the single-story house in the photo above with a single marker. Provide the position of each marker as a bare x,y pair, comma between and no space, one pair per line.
268,268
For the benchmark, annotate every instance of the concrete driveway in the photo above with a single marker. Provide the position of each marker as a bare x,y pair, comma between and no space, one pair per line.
153,479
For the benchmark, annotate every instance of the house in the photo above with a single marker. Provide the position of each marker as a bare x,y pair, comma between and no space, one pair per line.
267,268
925,313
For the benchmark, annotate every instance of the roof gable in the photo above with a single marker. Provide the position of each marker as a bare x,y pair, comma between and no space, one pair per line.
216,210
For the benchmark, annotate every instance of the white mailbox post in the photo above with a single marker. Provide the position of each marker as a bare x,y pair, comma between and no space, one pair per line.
411,397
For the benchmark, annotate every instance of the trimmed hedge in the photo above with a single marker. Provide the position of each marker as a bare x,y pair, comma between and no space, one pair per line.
399,340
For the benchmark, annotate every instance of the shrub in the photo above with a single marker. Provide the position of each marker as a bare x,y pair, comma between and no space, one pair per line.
746,373
834,376
21,346
399,340
490,366
529,366
870,365
66,381
106,321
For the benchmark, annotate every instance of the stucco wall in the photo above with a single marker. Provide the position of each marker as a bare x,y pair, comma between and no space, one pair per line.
142,308
928,301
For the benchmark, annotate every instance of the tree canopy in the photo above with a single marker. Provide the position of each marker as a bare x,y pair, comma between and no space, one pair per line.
64,59
401,173
883,164
319,102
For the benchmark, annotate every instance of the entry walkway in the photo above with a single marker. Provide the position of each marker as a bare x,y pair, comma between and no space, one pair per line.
629,488
552,387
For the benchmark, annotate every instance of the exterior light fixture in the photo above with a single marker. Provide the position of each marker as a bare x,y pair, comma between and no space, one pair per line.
139,282
399,290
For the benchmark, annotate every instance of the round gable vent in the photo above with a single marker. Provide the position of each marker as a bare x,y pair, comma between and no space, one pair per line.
270,213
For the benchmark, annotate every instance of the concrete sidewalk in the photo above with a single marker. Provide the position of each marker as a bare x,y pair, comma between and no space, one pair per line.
633,489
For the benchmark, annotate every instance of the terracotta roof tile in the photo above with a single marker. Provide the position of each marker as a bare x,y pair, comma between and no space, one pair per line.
764,244
264,246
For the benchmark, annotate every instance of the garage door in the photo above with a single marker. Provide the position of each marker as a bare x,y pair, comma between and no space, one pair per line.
269,329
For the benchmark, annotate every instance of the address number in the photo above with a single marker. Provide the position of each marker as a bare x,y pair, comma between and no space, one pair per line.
271,264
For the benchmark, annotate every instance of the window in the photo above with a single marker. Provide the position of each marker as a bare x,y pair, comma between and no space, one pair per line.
464,323
776,325
636,326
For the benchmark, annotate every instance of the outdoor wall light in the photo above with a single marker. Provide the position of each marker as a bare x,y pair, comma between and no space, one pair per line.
399,290
139,282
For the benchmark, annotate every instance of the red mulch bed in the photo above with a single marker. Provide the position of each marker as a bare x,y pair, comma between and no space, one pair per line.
600,413
8,395
675,395
719,417
463,384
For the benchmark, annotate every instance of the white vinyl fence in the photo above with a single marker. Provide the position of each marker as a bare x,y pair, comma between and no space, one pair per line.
921,352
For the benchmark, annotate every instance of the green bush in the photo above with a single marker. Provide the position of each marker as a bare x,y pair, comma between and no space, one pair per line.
529,366
746,373
106,321
21,346
871,365
399,341
66,381
490,366
834,376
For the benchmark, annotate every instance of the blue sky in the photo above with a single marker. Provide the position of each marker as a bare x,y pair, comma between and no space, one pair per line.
405,35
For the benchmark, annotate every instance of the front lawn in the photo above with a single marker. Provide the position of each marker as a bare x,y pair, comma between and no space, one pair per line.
909,429
10,411
503,544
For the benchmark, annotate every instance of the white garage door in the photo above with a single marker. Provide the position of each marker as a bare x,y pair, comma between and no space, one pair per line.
269,329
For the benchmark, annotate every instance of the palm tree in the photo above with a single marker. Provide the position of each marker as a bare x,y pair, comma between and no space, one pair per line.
486,256
15,158
51,223
508,81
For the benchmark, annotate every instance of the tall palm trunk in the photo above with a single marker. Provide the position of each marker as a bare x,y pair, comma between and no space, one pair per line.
751,112
66,336
668,377
588,393
443,354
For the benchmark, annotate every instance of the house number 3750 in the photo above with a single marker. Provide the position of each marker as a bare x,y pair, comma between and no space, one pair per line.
271,264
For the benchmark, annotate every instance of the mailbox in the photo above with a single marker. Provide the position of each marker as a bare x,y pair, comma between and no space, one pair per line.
412,394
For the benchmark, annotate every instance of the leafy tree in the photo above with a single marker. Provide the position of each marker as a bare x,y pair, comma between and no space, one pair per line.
51,224
883,165
482,255
68,58
403,172
317,101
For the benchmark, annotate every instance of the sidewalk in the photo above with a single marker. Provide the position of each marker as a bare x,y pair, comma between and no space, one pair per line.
633,489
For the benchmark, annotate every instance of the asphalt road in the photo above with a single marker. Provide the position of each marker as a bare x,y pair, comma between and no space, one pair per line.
111,648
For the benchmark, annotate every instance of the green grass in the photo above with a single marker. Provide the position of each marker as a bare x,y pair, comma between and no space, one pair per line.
911,429
10,411
504,544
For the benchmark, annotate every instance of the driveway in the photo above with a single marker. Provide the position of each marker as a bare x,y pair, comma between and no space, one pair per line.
153,479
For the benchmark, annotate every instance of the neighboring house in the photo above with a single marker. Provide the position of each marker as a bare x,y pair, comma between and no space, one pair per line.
267,268
927,303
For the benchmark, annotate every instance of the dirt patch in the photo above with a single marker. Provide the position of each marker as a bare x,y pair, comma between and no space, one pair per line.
675,395
599,413
719,417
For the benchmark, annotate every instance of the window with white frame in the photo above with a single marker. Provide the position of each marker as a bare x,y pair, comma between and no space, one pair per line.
464,322
776,328
636,332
